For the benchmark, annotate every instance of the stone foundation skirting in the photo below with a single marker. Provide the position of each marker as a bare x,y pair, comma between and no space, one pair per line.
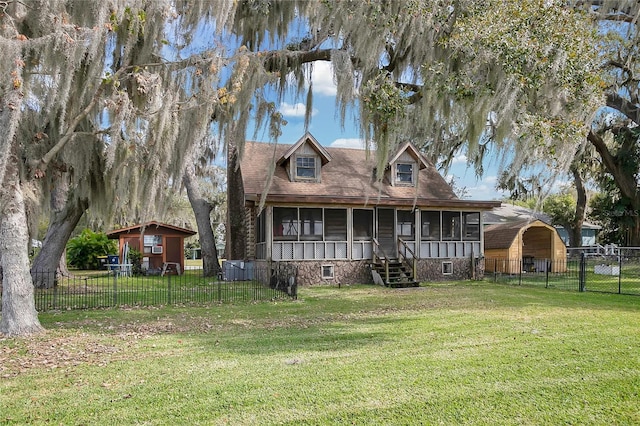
310,272
450,269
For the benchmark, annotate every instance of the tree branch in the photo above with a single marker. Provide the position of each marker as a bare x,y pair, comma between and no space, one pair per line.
629,109
625,182
274,59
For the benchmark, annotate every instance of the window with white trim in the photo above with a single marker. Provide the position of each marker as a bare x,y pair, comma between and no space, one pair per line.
327,272
447,268
404,173
305,167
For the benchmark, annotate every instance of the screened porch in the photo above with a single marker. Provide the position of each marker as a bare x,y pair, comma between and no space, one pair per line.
328,233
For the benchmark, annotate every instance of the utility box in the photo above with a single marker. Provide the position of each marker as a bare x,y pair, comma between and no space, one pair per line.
237,270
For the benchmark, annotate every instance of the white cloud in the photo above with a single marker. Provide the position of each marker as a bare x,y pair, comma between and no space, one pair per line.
296,110
348,143
322,79
459,159
473,189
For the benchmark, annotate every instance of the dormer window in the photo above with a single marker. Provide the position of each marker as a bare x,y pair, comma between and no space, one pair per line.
404,173
305,167
304,160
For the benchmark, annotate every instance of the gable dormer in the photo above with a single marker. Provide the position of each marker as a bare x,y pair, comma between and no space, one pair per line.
405,165
304,160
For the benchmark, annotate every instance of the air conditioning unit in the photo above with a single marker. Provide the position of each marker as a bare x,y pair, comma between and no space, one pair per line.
156,249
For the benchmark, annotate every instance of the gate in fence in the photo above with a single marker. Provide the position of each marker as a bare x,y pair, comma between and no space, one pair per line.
606,272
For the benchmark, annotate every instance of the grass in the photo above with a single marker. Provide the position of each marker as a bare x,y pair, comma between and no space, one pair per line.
472,353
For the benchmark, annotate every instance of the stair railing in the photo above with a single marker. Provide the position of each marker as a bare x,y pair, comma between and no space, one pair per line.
384,259
402,256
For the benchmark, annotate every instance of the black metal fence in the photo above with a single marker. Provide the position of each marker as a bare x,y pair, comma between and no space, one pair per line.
113,289
619,273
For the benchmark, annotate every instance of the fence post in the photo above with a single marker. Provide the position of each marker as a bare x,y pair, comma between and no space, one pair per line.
582,276
115,288
619,273
168,289
55,294
547,270
520,272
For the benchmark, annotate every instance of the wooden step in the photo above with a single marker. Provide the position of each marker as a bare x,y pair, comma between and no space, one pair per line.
399,274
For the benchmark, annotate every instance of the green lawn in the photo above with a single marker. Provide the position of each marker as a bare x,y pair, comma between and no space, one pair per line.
467,353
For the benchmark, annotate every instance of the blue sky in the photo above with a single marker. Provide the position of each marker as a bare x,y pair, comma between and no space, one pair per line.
325,127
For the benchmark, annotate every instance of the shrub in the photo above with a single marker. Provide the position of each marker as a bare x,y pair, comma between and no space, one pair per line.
135,259
83,250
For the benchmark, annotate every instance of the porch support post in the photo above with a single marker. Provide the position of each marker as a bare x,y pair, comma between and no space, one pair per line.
268,227
417,233
349,233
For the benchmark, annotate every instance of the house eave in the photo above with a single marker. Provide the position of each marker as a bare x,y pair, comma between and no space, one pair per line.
373,201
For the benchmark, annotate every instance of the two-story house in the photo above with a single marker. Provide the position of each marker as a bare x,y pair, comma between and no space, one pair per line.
324,210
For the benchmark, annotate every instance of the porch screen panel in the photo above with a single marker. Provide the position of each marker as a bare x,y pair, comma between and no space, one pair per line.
471,226
451,226
362,224
405,225
335,224
311,224
285,223
430,226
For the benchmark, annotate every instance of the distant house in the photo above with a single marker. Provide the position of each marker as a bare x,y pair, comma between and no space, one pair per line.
161,244
323,210
509,212
589,234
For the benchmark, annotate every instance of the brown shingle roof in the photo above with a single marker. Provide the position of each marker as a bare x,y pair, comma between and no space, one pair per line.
114,234
348,178
501,235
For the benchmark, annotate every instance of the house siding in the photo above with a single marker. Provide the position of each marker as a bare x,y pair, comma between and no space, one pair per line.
250,223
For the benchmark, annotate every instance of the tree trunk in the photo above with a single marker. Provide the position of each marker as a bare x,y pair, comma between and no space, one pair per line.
202,210
626,183
10,112
575,233
19,316
47,264
236,233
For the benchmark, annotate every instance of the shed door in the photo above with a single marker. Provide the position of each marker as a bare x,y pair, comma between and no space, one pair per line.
387,231
173,250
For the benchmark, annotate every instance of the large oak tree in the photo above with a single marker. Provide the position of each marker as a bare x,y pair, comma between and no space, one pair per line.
125,77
